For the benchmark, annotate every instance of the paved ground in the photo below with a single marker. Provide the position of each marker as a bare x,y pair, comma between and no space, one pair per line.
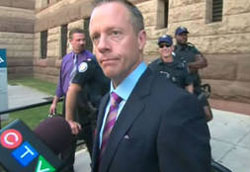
82,161
230,133
20,95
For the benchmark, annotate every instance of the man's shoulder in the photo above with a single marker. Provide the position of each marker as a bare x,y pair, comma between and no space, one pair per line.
87,54
87,66
189,44
163,88
66,59
155,62
192,46
67,56
89,70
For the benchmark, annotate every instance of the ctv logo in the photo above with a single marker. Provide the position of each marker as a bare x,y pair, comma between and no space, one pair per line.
11,139
23,152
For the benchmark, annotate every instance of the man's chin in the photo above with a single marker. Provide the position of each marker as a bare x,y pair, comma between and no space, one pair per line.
109,73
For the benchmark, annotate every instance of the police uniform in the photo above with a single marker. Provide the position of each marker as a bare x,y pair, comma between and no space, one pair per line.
186,54
93,82
175,71
94,85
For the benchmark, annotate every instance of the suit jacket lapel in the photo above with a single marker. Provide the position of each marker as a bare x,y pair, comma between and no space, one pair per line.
129,113
100,117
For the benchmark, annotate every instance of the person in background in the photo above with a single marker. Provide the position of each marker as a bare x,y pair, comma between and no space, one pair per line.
145,123
171,68
72,63
189,54
88,86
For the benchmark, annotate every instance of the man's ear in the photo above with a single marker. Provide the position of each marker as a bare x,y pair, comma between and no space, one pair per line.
142,36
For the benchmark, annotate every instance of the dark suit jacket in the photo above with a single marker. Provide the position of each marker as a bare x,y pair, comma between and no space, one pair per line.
161,128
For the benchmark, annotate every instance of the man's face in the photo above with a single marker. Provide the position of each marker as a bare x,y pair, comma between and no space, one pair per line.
165,50
78,42
181,38
117,46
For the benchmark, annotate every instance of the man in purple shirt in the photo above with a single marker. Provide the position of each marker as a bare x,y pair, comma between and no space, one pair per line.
72,63
78,42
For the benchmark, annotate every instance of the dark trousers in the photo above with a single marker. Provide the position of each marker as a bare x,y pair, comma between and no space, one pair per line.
69,154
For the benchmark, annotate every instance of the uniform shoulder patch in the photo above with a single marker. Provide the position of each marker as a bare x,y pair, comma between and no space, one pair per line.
83,67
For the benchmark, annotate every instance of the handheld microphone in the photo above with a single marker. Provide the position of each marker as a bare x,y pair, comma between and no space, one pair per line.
55,132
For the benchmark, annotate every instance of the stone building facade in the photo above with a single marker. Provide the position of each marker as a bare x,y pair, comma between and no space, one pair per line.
17,20
224,40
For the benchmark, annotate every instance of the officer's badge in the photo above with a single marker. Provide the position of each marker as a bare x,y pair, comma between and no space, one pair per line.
83,67
165,73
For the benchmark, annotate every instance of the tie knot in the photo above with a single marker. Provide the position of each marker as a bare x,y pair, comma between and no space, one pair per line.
115,99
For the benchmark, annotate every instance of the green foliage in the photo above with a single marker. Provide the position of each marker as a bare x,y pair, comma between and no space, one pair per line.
32,117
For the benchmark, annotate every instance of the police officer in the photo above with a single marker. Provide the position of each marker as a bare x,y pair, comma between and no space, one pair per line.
83,97
189,54
168,65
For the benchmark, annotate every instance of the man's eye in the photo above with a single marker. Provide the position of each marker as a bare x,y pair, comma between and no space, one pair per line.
95,38
116,33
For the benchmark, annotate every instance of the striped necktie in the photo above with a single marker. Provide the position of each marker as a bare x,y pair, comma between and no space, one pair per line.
110,121
73,72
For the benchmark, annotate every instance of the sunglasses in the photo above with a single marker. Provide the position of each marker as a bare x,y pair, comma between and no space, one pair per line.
164,45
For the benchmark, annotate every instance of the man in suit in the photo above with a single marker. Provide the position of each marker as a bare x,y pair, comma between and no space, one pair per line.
154,126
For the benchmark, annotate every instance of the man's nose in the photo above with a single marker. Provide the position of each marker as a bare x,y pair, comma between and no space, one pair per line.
103,43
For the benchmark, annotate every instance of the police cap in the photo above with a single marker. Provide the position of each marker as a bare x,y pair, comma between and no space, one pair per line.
181,30
165,39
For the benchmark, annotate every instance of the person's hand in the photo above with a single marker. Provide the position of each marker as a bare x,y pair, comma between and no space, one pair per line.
75,127
52,109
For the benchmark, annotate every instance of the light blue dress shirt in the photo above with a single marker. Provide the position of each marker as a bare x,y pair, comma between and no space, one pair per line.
124,90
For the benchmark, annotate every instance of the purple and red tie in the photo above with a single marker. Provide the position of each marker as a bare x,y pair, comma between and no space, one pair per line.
110,121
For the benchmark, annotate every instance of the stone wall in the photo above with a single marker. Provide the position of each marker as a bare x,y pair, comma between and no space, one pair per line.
62,12
16,35
225,44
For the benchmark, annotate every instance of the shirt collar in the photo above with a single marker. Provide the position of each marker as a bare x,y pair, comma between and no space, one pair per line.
84,54
125,88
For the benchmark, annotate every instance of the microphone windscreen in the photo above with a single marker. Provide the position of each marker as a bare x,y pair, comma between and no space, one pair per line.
56,133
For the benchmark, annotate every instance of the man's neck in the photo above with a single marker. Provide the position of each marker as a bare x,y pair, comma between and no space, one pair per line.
182,45
78,52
